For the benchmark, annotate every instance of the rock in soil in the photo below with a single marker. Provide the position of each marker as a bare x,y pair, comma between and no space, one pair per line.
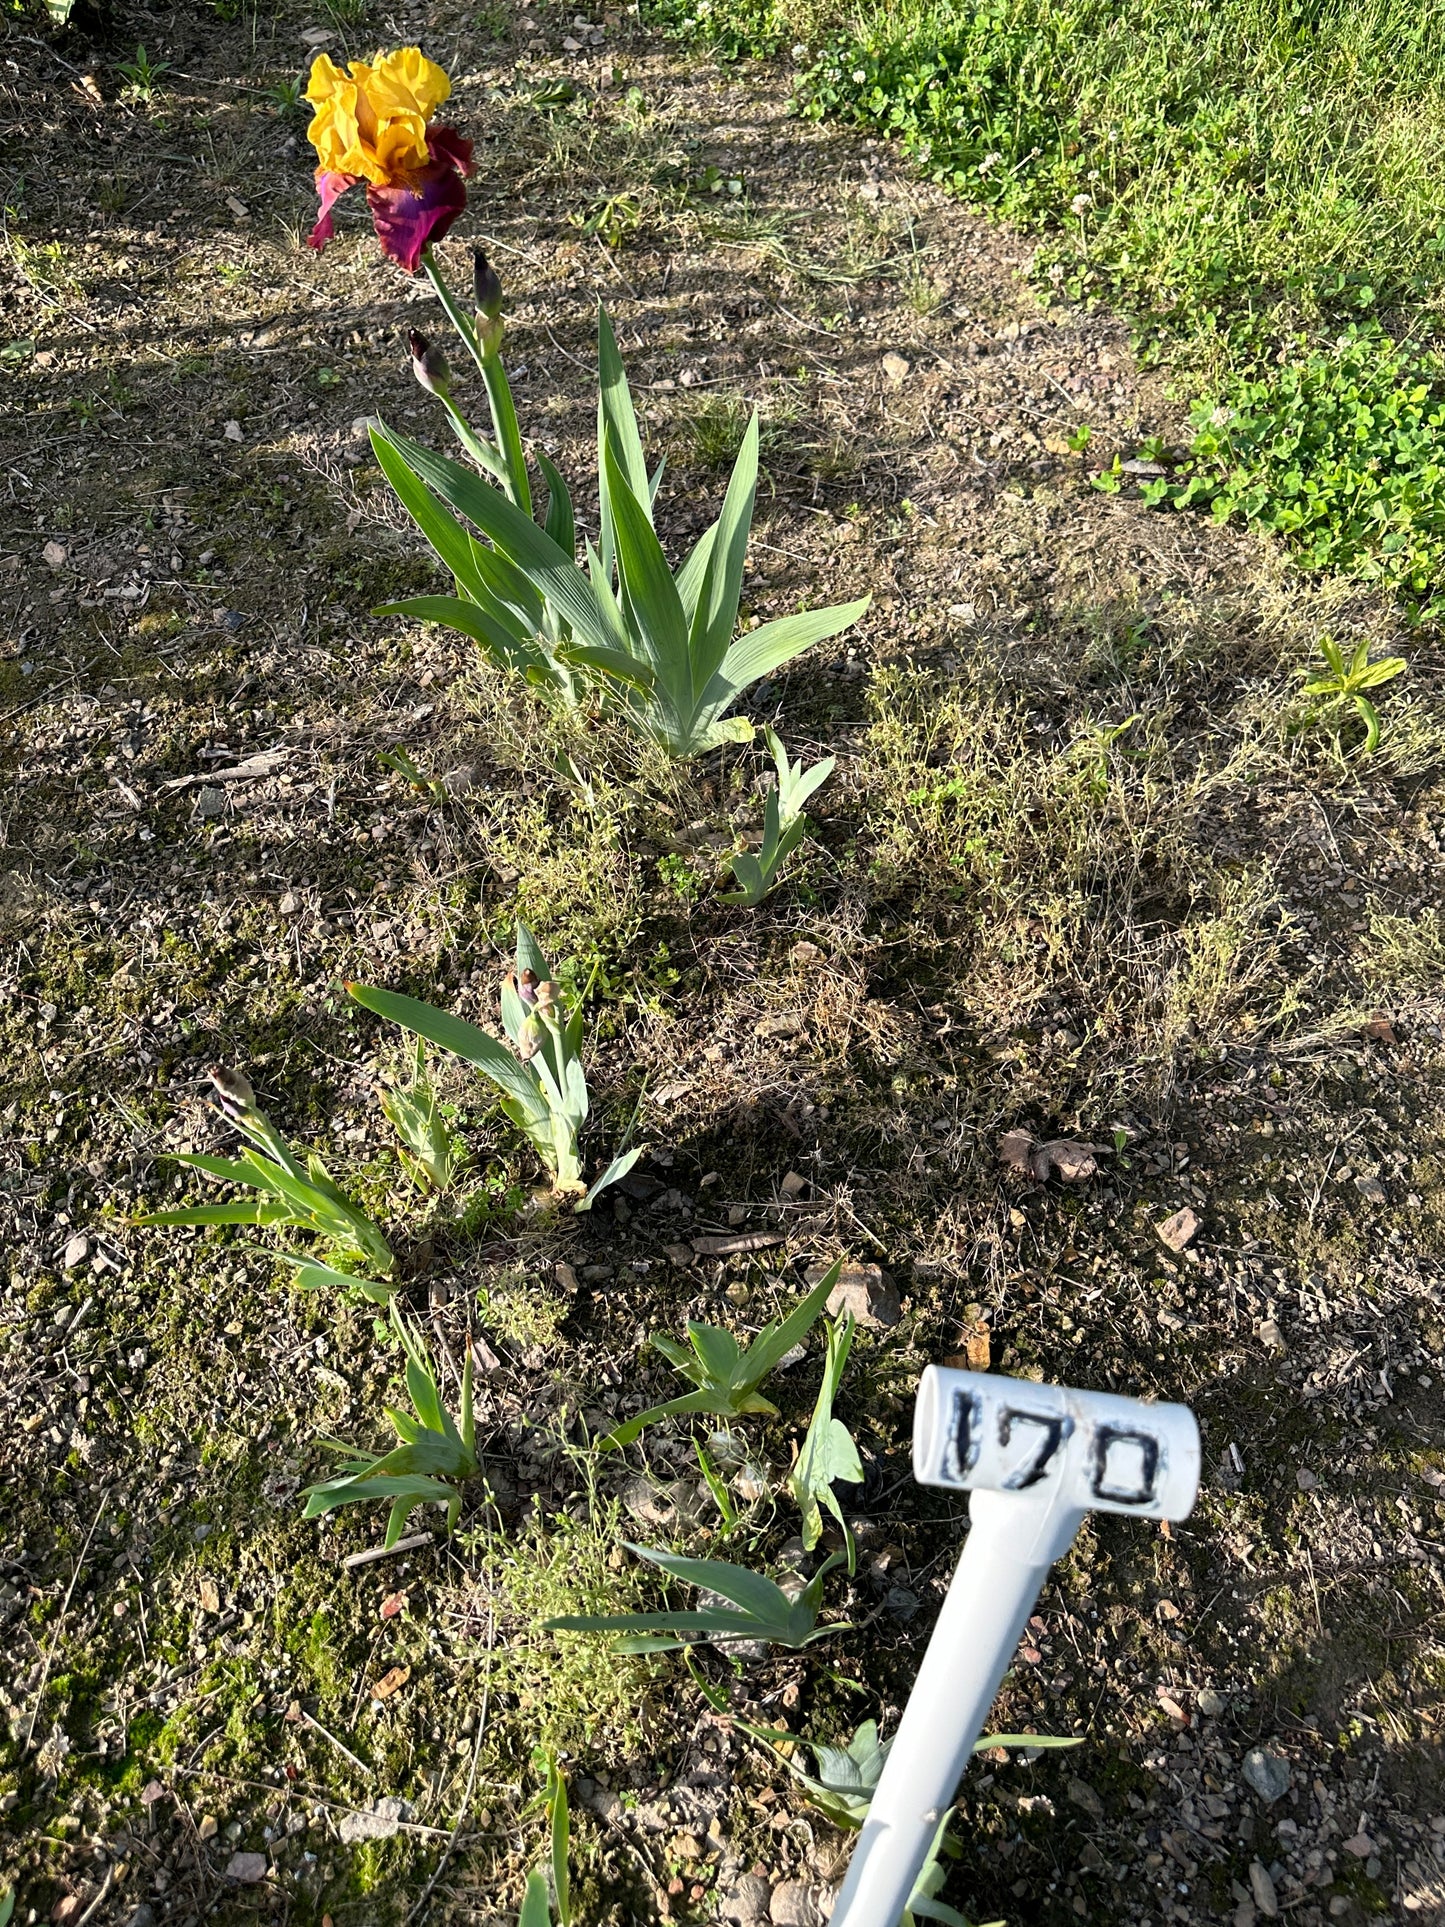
795,1904
1178,1229
1267,1773
865,1290
248,1868
747,1904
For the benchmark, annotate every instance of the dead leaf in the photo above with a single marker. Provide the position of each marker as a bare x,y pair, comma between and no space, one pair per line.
1380,1030
1015,1149
1060,1157
65,1909
391,1682
1179,1229
394,1603
1065,1158
743,1241
977,1349
210,1596
1173,1710
255,769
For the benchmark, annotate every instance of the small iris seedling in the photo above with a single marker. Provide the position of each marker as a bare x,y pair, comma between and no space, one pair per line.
434,1152
828,1450
923,1902
432,787
727,1378
845,1778
722,1499
783,824
142,74
543,1089
436,1454
1347,682
760,1609
659,647
290,1194
1093,750
536,1902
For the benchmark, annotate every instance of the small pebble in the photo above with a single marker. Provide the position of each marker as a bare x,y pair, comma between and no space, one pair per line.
247,1868
1267,1773
1262,1887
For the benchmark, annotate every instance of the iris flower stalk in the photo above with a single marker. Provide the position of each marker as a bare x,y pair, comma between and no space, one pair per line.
373,123
482,338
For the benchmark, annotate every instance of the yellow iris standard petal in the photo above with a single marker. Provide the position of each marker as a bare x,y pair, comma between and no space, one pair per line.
406,82
371,121
401,143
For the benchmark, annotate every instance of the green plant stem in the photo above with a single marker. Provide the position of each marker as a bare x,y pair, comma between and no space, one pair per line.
481,452
512,469
504,426
455,312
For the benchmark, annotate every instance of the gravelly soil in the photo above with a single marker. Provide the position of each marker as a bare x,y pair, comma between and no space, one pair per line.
1224,967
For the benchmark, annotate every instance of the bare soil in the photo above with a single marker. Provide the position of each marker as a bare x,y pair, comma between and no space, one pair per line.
1214,950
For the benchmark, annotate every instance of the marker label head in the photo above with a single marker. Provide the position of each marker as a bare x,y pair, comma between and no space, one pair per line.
975,1431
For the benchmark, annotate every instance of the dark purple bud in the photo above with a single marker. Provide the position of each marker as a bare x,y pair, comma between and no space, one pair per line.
486,286
429,365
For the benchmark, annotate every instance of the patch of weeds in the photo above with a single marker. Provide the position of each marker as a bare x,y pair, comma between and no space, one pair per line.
716,429
614,219
286,93
1403,955
492,21
518,1308
571,1694
1338,450
142,75
680,879
43,265
1039,876
1301,201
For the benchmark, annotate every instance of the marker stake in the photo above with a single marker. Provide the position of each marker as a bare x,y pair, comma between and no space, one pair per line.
1035,1459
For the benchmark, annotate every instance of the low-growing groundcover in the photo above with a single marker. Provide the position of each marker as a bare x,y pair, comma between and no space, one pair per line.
1256,181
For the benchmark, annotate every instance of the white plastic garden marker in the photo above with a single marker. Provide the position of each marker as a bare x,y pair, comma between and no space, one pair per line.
1036,1458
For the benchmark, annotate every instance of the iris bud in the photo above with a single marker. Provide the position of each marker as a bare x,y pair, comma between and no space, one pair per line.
487,293
486,286
429,365
233,1090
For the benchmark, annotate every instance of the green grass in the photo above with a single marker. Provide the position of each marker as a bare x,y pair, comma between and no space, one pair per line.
1256,184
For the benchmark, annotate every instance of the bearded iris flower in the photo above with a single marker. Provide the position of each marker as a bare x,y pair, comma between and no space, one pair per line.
373,124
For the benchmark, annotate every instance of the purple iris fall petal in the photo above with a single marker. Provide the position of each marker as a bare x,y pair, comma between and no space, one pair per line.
412,211
411,214
329,188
